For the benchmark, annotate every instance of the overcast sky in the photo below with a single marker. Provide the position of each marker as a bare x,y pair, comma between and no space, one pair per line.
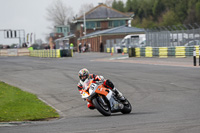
30,15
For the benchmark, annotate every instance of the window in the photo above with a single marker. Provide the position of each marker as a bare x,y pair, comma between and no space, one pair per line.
90,25
116,23
98,24
110,24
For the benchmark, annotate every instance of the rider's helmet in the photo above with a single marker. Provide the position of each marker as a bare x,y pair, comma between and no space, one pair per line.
83,74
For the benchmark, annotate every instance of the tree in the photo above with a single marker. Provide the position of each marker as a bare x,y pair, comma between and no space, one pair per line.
118,5
181,10
85,8
109,3
129,7
161,12
114,4
148,23
169,18
191,11
157,9
59,13
39,41
121,6
198,10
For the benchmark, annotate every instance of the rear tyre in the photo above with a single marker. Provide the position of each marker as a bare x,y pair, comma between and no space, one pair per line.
127,108
101,105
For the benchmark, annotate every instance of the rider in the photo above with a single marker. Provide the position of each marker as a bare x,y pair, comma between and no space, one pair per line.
84,74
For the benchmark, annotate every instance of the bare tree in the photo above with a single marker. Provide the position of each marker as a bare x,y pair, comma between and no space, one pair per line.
59,13
85,8
39,41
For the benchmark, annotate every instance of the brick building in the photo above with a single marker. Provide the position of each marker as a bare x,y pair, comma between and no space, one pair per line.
100,18
53,37
96,39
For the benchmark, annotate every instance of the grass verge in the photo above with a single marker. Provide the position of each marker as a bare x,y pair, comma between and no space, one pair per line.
18,105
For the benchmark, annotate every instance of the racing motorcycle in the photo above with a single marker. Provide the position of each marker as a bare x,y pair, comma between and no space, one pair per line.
103,98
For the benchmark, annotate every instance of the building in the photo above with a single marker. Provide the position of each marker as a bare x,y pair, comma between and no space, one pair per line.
61,36
100,18
65,29
99,39
53,37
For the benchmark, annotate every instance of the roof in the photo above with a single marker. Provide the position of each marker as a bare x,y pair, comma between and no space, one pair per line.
65,38
104,12
117,30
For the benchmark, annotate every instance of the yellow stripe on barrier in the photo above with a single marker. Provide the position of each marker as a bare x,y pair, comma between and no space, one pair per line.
58,53
51,53
197,51
180,52
45,53
113,50
148,52
108,50
137,52
125,50
163,52
72,52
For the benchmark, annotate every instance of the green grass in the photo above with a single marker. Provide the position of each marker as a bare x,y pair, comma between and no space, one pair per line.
18,105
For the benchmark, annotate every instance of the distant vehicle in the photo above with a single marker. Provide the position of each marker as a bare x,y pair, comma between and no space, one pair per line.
135,40
192,43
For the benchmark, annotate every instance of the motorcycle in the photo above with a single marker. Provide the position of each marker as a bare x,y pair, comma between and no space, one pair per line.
103,98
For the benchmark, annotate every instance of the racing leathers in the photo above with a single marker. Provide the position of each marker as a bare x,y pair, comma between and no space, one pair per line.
107,83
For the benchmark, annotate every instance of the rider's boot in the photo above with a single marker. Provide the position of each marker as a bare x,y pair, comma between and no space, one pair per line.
119,95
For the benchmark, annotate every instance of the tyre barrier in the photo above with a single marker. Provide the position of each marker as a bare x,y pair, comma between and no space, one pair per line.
54,53
163,52
112,50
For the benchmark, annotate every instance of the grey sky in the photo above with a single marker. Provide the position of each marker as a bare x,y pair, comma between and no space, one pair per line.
30,15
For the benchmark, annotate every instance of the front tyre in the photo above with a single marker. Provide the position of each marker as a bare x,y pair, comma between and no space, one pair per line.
101,105
127,108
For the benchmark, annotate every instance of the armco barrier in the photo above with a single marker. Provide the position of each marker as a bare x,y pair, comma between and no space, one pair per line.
163,52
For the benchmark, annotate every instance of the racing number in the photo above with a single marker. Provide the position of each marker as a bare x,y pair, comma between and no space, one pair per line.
93,86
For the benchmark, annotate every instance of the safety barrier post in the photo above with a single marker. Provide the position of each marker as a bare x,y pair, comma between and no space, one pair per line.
194,56
199,55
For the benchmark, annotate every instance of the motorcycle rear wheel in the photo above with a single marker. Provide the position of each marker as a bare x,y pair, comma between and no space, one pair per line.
101,105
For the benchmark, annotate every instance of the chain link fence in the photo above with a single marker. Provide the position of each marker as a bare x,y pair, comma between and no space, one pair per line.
171,36
166,36
114,45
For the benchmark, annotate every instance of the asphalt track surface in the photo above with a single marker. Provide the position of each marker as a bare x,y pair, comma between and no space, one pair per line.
164,93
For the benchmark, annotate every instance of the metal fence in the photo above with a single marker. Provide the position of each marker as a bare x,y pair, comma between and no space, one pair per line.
113,43
170,36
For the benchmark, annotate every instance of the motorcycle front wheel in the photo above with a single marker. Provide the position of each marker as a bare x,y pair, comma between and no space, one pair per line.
127,108
101,105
